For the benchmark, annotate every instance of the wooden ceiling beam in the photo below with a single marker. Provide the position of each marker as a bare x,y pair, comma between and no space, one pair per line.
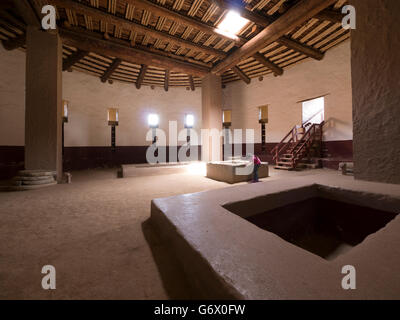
27,12
330,15
191,82
278,71
140,78
207,65
258,19
74,58
295,16
264,21
178,17
166,80
14,43
20,24
92,42
241,74
134,26
6,4
297,46
108,73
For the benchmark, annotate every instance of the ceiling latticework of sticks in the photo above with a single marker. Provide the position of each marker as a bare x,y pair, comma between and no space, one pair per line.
170,43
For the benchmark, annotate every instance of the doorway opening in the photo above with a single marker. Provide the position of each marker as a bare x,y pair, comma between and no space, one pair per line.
313,111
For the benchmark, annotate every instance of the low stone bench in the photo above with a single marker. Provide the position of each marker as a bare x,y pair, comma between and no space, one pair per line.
135,170
229,171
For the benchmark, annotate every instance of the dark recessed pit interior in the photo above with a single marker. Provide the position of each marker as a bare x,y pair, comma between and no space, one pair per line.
322,226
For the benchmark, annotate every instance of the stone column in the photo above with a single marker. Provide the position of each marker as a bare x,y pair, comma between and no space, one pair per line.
43,117
375,67
211,99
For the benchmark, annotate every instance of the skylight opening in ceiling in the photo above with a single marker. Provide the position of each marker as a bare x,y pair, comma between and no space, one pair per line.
232,24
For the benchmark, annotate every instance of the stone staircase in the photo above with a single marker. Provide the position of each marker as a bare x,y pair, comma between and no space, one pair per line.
301,148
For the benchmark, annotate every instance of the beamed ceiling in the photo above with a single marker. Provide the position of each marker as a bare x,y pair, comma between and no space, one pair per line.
171,43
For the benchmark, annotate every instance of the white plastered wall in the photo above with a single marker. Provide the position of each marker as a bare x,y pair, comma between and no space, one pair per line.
330,77
90,99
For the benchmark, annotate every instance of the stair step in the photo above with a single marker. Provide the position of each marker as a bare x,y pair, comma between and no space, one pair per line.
282,163
308,144
307,165
283,168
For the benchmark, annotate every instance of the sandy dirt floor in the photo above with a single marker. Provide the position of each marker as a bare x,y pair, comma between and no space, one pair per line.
96,233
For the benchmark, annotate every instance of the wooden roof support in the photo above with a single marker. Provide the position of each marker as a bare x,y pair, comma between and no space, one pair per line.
258,19
296,15
297,46
5,15
330,15
108,73
177,17
241,74
6,4
73,58
264,21
166,80
278,71
137,27
27,12
14,43
92,42
191,60
191,82
141,76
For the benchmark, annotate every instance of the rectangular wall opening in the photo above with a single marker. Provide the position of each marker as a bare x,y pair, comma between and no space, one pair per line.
313,111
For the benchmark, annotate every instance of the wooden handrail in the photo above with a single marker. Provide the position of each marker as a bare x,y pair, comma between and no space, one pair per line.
306,140
282,146
283,140
307,122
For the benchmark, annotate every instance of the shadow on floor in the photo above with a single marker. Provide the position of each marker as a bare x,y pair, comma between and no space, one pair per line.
172,275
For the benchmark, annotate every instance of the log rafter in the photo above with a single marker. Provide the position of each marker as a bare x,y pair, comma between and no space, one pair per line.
186,61
73,58
330,15
178,18
133,26
166,80
92,42
278,71
14,43
297,46
241,74
6,4
298,14
191,82
108,73
141,76
27,12
264,21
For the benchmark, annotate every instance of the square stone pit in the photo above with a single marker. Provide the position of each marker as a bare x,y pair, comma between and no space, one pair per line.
225,256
